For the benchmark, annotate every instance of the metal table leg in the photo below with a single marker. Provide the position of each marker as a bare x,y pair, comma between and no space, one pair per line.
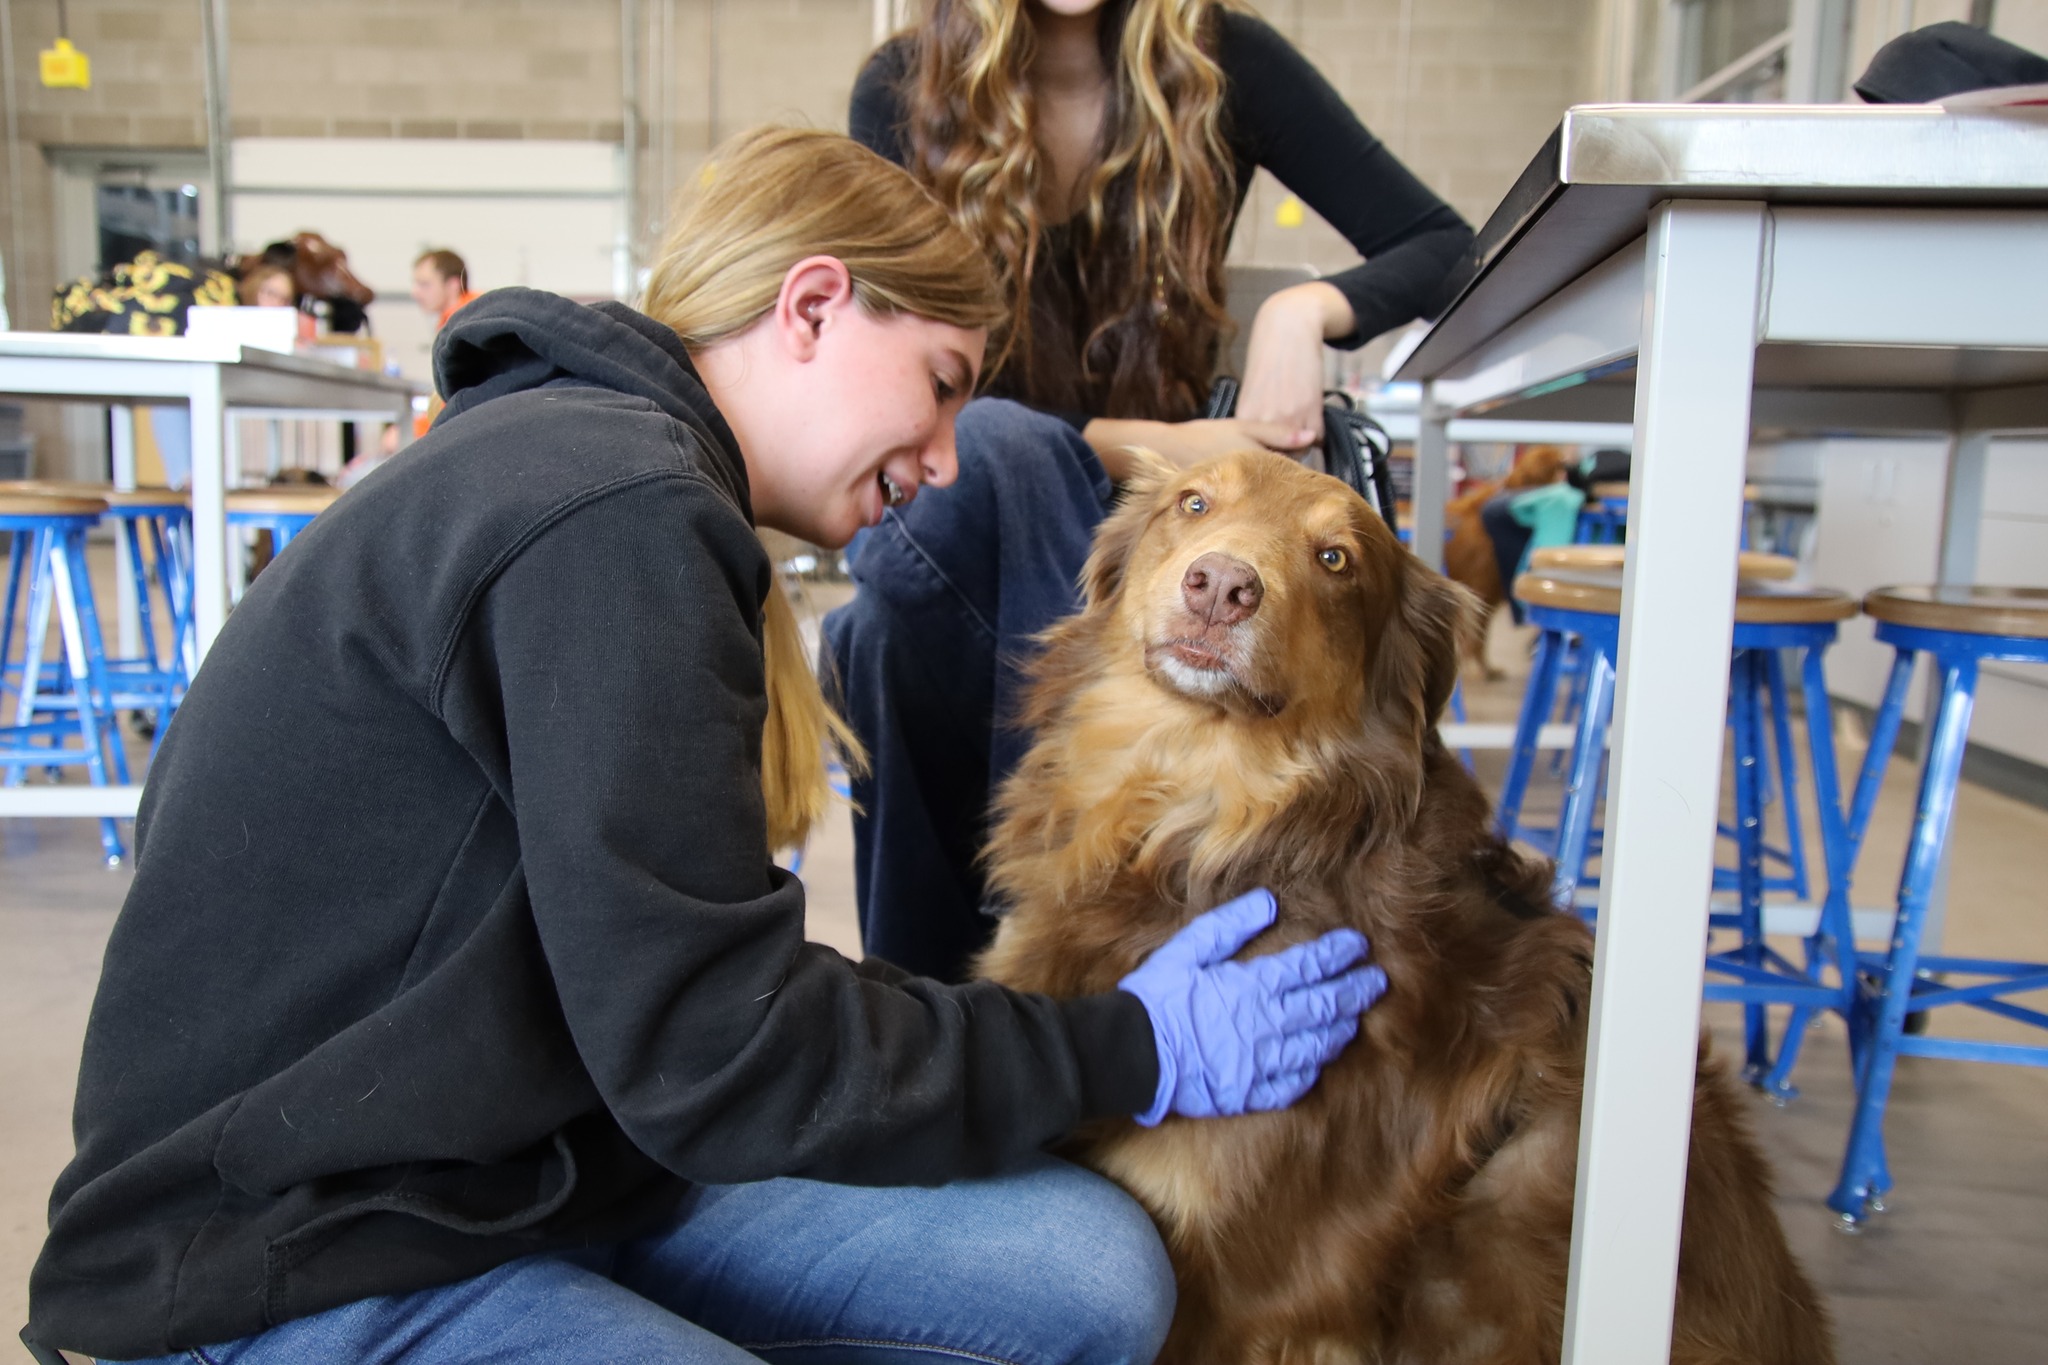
1700,318
1432,480
209,508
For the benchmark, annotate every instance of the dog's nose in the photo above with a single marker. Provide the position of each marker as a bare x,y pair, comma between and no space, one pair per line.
1221,590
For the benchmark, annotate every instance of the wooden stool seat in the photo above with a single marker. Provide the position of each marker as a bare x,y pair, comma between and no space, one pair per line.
301,500
146,498
1599,591
105,492
24,502
1616,490
1591,590
1971,608
1760,604
1752,565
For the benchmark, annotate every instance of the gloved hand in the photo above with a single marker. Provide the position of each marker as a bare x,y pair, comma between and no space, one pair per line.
1236,1037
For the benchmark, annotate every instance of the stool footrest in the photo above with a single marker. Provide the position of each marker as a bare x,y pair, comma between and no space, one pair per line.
1974,966
1982,990
1971,1050
2005,1009
30,756
1775,965
1781,992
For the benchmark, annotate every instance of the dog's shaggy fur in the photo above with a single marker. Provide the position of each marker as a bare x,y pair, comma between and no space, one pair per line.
1417,1205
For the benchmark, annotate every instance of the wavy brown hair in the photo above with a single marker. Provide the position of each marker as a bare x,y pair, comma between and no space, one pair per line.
1145,308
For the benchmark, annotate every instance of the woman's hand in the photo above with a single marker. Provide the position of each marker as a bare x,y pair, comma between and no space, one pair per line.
1189,443
1243,1037
1283,373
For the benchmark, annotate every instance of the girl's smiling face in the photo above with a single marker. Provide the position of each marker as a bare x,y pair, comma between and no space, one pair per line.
840,413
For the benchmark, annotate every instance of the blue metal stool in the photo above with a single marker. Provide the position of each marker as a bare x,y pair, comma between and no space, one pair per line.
1561,659
1767,623
283,511
1605,518
1583,607
1574,619
157,526
1958,628
54,702
156,538
156,533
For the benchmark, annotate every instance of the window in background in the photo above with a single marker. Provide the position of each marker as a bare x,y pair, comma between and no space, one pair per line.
134,218
1733,51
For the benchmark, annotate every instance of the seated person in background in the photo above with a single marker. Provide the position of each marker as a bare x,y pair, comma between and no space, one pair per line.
440,284
268,286
1519,520
1473,557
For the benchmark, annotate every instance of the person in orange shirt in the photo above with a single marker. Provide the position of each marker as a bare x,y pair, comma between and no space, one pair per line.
440,284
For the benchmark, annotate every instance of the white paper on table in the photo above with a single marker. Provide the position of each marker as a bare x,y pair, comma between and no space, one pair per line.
266,329
1999,99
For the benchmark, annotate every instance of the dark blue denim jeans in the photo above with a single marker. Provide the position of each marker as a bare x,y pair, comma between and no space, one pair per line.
1050,1265
929,659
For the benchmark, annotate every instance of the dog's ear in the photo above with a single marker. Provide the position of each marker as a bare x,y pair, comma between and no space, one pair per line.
1119,534
1418,653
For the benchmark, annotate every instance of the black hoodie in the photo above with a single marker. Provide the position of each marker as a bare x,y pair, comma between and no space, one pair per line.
454,935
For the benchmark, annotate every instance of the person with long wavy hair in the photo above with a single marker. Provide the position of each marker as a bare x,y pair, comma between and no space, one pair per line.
1099,151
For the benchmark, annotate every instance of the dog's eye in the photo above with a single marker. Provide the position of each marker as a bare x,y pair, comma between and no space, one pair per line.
1193,503
1333,559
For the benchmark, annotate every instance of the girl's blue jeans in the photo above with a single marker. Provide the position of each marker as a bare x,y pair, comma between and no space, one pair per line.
1049,1264
930,661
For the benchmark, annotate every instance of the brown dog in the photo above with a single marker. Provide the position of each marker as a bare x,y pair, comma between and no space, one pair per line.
1249,698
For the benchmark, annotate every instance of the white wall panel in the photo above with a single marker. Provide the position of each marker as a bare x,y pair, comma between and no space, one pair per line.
547,215
1879,524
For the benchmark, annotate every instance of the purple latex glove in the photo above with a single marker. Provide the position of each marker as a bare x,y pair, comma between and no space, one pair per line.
1237,1037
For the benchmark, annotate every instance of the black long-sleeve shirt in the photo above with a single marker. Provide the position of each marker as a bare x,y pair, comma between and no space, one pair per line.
454,935
1280,113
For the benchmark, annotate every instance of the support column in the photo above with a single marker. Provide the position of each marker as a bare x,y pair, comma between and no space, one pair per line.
1704,266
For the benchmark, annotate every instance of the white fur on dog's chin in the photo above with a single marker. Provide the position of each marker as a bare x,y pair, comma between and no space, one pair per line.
1198,682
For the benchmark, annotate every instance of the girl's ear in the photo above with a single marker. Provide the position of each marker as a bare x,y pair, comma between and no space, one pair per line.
1118,535
812,290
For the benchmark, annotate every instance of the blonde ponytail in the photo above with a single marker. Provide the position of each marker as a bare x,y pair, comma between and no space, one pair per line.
768,199
796,785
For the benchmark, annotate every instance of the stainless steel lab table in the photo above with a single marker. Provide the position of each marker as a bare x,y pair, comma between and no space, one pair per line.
1710,272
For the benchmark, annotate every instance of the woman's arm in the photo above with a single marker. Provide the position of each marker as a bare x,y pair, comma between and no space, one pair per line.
1190,443
622,649
1286,117
875,114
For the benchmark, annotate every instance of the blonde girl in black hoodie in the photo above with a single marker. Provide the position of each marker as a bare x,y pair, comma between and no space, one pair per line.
458,1012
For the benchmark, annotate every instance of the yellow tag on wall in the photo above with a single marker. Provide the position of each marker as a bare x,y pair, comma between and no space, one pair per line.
1289,213
66,68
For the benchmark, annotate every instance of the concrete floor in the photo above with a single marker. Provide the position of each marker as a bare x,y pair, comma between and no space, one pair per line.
1954,1273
